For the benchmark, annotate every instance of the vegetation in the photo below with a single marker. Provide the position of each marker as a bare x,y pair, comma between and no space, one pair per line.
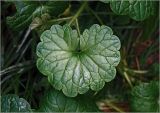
80,56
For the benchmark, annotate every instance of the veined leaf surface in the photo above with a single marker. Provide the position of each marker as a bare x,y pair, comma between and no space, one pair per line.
56,101
136,9
145,97
75,64
12,103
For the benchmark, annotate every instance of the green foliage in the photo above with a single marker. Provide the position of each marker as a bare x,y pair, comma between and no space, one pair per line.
137,10
27,11
145,97
12,103
76,63
78,56
56,101
105,1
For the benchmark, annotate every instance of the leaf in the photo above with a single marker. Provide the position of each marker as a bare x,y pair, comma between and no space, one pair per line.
27,11
105,1
137,10
76,64
12,103
144,97
40,21
55,101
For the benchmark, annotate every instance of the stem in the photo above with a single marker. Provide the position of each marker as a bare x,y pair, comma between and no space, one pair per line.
110,104
60,19
128,79
96,15
125,75
78,12
77,25
135,71
27,85
79,34
24,39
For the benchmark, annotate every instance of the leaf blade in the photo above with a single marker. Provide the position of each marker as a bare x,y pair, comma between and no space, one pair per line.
55,101
74,71
12,103
137,10
144,97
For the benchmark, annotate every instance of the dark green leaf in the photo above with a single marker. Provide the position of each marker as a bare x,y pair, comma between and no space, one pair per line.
12,103
73,68
56,101
27,11
137,10
145,97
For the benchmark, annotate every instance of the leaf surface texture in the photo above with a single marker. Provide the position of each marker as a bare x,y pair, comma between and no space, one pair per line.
76,64
56,101
12,103
145,97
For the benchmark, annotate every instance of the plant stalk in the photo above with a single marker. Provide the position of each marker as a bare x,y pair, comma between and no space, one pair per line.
110,104
60,19
78,12
96,15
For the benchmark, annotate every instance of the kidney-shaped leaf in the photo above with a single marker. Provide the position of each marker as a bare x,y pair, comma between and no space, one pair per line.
76,64
136,9
145,97
56,101
12,103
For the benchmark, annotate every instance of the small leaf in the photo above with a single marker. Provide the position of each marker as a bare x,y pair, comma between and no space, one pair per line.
137,10
12,103
75,68
40,21
55,101
145,97
27,11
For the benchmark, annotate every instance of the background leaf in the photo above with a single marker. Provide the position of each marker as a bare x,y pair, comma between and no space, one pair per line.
12,103
56,101
27,11
145,97
137,10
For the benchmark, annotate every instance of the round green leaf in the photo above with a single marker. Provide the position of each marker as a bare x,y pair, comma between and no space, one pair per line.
55,101
145,97
75,64
137,10
12,103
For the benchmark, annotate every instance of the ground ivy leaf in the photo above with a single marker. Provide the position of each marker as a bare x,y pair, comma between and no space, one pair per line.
77,70
12,103
27,11
145,97
137,10
56,101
